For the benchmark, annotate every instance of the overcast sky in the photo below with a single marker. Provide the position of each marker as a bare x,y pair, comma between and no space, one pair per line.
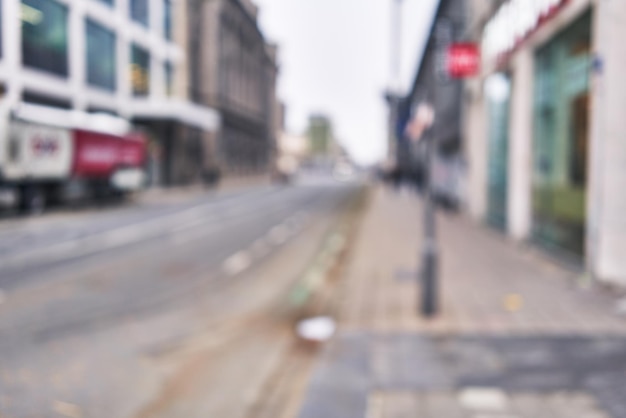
335,59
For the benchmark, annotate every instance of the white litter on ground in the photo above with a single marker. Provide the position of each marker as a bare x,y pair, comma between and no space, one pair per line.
318,329
483,399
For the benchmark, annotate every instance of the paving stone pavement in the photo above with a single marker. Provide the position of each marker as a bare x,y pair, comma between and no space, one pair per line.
515,330
546,374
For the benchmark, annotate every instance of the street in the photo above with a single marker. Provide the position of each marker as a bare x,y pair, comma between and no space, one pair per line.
100,310
182,305
323,209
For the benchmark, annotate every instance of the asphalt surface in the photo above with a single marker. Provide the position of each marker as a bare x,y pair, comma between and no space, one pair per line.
88,299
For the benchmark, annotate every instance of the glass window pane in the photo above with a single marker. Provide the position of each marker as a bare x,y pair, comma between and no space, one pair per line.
0,30
108,2
561,138
139,11
44,36
169,78
140,71
497,93
167,19
101,62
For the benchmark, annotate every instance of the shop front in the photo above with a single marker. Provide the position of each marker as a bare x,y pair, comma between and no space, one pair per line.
498,94
548,156
561,138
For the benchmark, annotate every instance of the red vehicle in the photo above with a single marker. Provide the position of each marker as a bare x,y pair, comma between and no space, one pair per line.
47,158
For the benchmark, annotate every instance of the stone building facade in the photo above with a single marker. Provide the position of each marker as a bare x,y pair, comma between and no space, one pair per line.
234,70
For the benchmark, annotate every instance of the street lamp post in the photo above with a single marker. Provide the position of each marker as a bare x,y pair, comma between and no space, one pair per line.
429,305
454,61
430,252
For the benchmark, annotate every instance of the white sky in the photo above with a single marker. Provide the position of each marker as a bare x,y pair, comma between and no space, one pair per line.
335,58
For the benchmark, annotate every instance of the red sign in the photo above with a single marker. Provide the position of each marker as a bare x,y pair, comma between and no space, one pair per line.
99,155
463,60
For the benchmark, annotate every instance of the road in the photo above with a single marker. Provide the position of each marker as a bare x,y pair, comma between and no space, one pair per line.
102,313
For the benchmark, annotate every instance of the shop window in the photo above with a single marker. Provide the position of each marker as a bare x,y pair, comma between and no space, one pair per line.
102,110
169,78
1,30
498,93
167,19
579,141
140,71
139,11
101,62
44,36
45,100
562,138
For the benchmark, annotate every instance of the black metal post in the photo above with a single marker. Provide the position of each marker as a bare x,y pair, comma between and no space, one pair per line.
430,250
430,253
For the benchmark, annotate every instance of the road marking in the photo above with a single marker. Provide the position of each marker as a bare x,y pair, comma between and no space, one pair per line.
237,263
121,237
260,247
278,234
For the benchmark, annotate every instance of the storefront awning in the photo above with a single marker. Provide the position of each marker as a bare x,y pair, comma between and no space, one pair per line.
71,119
202,117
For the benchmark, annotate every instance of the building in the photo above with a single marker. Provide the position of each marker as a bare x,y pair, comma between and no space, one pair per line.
234,70
545,127
121,57
321,136
431,87
324,149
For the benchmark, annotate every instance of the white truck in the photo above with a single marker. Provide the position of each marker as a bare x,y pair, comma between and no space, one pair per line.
51,155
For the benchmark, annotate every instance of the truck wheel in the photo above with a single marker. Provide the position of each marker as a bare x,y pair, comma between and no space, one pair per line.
32,200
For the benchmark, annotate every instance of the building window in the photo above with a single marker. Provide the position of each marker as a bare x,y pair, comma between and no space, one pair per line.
45,100
169,78
107,2
498,97
561,122
139,11
140,71
0,30
44,36
101,63
167,19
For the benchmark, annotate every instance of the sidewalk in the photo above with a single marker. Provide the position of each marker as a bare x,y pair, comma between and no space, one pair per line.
516,337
